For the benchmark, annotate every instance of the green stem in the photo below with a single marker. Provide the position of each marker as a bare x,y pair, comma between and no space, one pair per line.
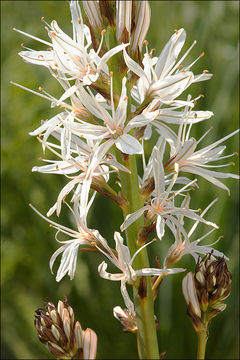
202,342
146,335
142,292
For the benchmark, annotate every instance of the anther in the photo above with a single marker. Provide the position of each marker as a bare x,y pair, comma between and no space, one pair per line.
42,18
111,74
205,71
232,163
180,67
200,210
125,98
39,158
40,88
79,20
201,95
22,45
103,31
146,42
202,54
211,128
53,33
195,115
176,31
14,29
236,153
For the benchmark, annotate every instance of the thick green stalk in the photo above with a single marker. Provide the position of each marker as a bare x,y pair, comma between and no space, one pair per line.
202,342
143,299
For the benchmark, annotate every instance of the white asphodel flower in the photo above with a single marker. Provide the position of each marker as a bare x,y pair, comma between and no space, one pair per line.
184,154
90,164
182,247
69,250
113,126
71,56
164,77
123,261
162,208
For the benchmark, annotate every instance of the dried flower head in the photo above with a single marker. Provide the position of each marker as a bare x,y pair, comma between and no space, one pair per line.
62,335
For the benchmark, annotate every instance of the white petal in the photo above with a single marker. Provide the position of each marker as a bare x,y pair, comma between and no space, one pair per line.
109,54
128,144
130,218
170,53
134,67
160,226
158,272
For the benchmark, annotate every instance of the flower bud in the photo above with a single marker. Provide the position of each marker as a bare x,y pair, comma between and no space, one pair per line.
62,335
205,290
213,282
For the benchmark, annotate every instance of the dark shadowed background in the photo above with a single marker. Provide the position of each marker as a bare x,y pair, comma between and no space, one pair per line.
28,242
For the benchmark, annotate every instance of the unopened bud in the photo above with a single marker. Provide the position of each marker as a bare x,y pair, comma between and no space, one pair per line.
206,289
63,337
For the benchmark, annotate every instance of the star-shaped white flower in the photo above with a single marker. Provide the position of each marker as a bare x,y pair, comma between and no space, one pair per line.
164,77
71,57
113,126
123,261
184,246
161,208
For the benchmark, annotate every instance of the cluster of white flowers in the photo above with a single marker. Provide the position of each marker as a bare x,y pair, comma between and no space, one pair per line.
95,123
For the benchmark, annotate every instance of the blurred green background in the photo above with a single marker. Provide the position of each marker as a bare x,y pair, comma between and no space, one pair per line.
28,242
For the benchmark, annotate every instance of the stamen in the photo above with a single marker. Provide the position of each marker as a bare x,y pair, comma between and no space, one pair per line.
206,133
33,37
183,57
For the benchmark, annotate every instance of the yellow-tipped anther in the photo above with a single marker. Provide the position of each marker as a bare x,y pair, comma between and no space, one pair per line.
176,31
103,31
202,54
42,18
111,74
205,71
146,42
40,88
